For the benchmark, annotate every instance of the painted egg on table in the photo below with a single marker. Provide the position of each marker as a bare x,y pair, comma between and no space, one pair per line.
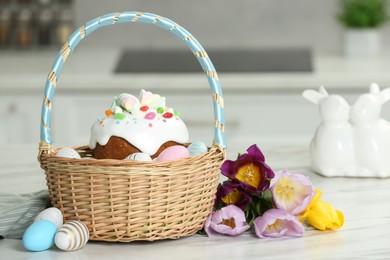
72,236
197,148
39,236
173,153
67,152
52,214
142,157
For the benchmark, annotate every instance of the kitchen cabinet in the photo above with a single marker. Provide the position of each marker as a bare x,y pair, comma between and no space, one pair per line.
262,108
251,116
20,118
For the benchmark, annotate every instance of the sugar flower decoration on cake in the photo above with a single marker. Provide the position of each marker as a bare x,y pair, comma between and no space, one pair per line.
127,102
151,101
275,205
147,101
147,106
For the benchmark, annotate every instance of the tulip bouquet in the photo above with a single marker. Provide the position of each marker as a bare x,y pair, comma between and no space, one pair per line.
275,204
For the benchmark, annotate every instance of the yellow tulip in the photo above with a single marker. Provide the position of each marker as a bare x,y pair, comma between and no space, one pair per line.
321,215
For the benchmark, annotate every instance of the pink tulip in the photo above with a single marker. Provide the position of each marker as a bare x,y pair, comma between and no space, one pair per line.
292,192
229,220
278,223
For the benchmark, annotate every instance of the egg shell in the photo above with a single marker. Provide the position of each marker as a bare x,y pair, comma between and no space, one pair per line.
173,153
197,148
39,236
52,214
142,157
72,236
67,152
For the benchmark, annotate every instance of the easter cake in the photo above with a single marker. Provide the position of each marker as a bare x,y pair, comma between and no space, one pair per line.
145,125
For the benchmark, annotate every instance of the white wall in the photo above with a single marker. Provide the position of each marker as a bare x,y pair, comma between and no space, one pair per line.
225,23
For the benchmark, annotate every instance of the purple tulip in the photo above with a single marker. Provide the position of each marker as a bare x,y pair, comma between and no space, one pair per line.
292,192
231,193
278,223
229,220
250,170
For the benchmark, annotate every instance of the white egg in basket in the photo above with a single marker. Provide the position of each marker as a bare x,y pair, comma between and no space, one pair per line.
68,152
142,157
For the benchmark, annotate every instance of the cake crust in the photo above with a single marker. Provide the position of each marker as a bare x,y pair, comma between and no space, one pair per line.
118,148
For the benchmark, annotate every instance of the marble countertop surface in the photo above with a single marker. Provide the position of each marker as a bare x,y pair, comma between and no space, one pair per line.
92,68
364,202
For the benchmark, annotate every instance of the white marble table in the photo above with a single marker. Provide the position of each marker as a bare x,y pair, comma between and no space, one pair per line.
364,202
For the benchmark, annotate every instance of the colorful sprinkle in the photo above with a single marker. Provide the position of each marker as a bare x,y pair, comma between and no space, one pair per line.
150,115
168,115
150,124
108,112
117,122
176,113
160,110
144,108
164,120
120,116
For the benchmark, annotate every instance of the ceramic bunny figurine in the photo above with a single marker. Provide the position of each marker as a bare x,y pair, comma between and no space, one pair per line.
371,133
331,149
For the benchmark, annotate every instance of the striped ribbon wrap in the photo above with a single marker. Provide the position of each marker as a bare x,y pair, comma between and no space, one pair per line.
133,17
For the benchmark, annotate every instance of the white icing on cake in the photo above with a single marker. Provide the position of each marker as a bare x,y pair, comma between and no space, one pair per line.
147,130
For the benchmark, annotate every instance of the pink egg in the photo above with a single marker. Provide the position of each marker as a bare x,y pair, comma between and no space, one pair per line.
173,153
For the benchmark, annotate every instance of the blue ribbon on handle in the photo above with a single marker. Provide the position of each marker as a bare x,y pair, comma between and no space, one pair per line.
134,17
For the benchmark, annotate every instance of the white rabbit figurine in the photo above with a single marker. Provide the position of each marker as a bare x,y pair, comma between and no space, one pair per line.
371,133
332,149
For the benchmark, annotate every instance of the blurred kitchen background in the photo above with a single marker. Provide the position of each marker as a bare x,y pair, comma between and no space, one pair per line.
267,53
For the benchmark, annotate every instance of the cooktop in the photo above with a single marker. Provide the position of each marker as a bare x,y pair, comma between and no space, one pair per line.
234,60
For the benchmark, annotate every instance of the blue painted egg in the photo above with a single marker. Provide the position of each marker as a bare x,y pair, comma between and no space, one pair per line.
197,148
39,236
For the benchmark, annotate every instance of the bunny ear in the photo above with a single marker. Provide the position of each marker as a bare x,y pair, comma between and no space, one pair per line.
313,96
385,95
374,88
323,91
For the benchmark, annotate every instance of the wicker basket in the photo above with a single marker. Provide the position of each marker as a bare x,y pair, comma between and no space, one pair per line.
123,200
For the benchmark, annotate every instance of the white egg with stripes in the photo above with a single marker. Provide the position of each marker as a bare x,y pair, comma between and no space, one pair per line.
72,236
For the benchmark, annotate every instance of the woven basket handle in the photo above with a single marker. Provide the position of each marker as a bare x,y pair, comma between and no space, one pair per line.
132,17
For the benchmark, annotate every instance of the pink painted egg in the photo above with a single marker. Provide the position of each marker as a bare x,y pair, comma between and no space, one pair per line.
173,153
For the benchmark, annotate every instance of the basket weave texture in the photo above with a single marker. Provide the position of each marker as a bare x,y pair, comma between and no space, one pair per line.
124,200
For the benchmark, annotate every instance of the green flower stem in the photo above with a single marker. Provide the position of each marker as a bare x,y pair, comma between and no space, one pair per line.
260,204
